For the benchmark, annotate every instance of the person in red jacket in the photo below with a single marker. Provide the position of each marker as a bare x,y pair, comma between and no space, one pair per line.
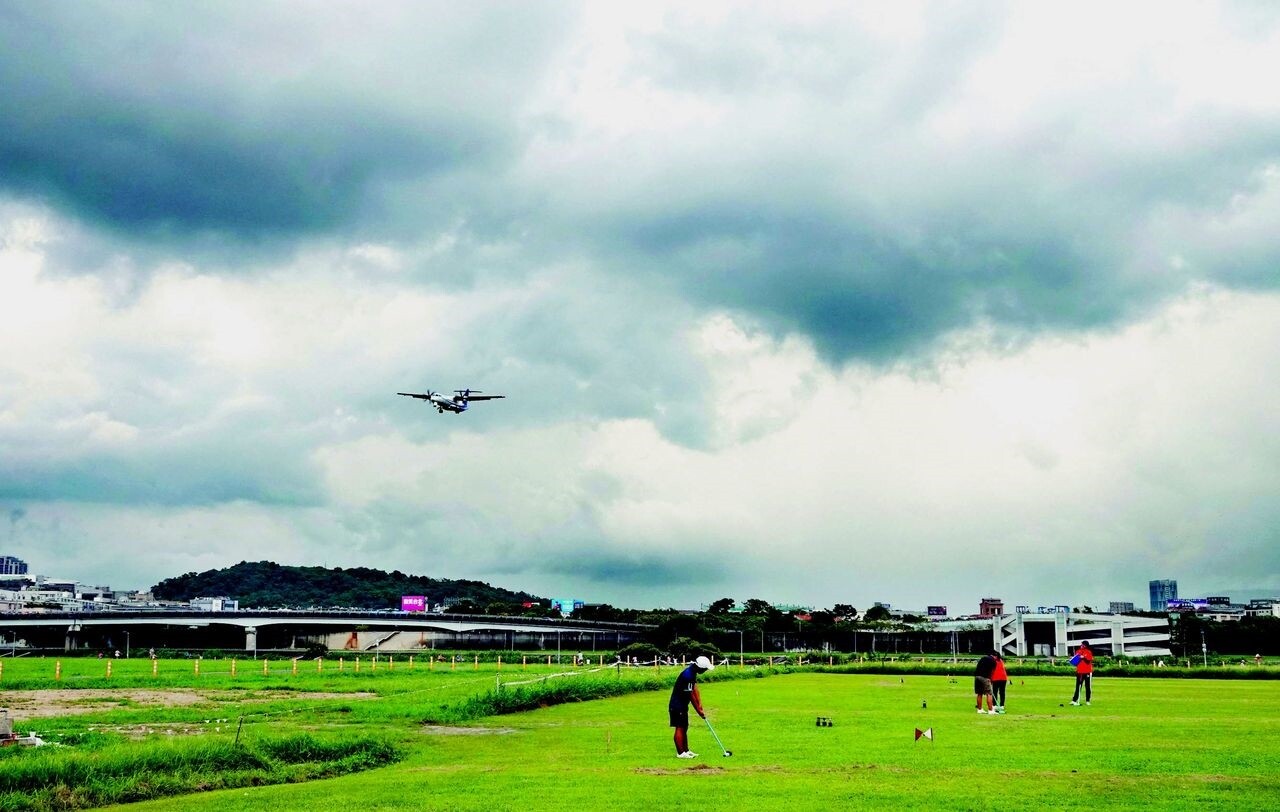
1084,673
999,679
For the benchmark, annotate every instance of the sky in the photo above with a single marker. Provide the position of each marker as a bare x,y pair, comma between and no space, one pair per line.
814,303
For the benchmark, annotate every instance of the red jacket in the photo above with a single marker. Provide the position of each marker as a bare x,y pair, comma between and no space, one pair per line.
999,675
1085,666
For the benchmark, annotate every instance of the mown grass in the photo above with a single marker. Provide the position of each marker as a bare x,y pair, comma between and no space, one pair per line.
1144,744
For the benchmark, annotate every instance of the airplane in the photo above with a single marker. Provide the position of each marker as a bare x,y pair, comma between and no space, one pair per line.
456,404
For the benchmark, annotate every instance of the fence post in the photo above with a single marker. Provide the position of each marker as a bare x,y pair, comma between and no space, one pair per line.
410,662
57,670
342,662
108,669
357,665
264,666
155,667
476,667
233,667
197,666
319,664
524,661
295,665
391,662
499,662
453,662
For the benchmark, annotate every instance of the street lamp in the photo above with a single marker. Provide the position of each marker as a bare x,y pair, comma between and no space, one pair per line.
126,643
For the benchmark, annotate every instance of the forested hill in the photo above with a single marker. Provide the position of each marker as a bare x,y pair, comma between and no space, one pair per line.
265,584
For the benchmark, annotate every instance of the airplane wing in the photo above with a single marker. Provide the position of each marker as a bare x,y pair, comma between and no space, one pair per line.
485,397
414,395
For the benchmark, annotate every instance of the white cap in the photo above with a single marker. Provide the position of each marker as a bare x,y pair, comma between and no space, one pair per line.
703,663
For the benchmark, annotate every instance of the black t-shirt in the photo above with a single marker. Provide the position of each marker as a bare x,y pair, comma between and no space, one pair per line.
986,667
682,693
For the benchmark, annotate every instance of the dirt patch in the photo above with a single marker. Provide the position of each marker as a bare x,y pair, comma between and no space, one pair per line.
446,730
46,703
705,769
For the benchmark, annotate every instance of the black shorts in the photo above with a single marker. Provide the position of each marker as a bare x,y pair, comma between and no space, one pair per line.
679,716
982,686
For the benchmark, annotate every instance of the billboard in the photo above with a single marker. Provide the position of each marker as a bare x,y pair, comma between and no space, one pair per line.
1186,605
937,611
566,605
413,603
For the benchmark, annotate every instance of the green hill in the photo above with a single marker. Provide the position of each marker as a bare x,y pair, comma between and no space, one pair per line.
265,584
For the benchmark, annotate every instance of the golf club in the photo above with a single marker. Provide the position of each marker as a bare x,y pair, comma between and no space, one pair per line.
727,753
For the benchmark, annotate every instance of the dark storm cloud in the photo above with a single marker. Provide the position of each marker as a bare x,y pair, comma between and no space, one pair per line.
252,120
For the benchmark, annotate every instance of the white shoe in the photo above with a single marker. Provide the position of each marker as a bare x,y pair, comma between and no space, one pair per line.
690,754
980,710
1088,703
685,754
1077,704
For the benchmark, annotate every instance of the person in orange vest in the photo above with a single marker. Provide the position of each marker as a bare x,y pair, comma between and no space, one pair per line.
999,679
1083,661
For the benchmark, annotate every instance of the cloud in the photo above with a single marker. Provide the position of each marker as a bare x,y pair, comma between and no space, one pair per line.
276,120
804,302
955,169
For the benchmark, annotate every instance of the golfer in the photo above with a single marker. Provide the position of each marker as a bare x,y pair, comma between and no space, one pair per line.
684,692
982,682
999,680
1084,673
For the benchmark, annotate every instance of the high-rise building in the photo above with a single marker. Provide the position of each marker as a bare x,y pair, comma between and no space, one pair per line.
12,566
1161,593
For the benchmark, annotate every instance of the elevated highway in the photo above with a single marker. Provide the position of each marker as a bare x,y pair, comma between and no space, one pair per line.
286,629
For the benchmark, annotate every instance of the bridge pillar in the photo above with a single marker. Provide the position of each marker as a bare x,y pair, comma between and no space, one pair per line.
250,638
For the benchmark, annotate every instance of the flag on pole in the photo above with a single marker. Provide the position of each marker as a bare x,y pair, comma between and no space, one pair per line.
927,733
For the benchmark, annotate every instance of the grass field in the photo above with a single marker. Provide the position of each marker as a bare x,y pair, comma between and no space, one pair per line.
1149,744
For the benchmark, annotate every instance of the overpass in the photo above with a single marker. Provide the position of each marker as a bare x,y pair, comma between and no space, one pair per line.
270,629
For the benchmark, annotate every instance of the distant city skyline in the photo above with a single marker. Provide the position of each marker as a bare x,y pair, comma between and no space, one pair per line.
1239,595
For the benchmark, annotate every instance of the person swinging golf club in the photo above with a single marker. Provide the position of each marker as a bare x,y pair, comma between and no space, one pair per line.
685,692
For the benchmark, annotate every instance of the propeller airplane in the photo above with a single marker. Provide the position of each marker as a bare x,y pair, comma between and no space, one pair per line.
456,404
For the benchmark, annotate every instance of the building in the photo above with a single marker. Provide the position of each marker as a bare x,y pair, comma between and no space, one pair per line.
990,607
1058,634
1121,607
220,604
1161,593
12,566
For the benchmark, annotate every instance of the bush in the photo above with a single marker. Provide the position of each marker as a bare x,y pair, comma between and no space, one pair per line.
685,648
642,652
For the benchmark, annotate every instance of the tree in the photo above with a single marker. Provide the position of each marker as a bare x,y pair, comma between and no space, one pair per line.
876,613
844,610
721,607
755,606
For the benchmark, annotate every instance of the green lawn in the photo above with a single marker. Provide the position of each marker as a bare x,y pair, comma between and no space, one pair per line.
1144,744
